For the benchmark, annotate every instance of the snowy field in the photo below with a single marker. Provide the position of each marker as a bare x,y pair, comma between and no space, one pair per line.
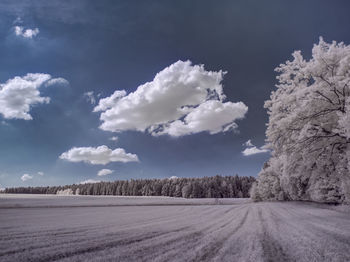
86,228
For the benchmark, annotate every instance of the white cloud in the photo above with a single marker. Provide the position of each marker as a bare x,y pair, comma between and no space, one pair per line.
18,20
90,97
26,177
182,99
98,155
19,94
212,116
114,138
59,81
90,181
40,173
26,33
173,177
252,150
109,102
248,143
104,172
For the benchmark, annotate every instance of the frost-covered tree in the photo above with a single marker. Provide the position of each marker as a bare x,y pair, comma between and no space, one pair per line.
309,128
67,191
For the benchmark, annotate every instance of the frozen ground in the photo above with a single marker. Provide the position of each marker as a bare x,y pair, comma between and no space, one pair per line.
28,200
51,228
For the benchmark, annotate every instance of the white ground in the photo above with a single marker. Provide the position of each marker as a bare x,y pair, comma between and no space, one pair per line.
57,228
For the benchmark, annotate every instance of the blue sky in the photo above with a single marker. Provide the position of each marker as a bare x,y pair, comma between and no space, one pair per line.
75,47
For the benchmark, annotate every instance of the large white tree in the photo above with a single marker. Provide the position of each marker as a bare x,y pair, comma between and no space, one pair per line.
309,128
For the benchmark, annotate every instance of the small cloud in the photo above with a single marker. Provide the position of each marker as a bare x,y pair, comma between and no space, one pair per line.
89,96
100,155
109,102
173,177
57,81
26,33
114,138
253,150
104,172
40,173
18,20
90,181
248,143
26,177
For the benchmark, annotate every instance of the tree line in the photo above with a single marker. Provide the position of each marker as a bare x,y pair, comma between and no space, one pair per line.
205,187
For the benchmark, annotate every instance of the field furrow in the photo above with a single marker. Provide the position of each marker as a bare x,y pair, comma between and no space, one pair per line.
204,231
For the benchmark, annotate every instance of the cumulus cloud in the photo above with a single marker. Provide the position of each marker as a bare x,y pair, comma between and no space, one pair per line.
100,155
182,99
26,33
109,102
19,94
40,173
173,177
114,138
89,96
104,172
212,116
90,181
26,177
252,150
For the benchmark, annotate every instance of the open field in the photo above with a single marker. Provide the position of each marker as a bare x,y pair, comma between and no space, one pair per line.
79,228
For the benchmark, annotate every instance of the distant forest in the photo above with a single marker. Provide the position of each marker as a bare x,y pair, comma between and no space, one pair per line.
206,187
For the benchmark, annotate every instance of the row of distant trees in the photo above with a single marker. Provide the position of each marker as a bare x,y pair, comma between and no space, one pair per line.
206,187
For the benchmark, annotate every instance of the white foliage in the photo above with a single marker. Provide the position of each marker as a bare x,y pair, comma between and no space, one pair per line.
67,191
309,127
90,181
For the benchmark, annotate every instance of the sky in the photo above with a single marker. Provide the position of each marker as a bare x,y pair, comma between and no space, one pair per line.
107,90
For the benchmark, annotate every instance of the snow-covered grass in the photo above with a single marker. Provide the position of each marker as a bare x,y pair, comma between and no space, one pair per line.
36,200
81,228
